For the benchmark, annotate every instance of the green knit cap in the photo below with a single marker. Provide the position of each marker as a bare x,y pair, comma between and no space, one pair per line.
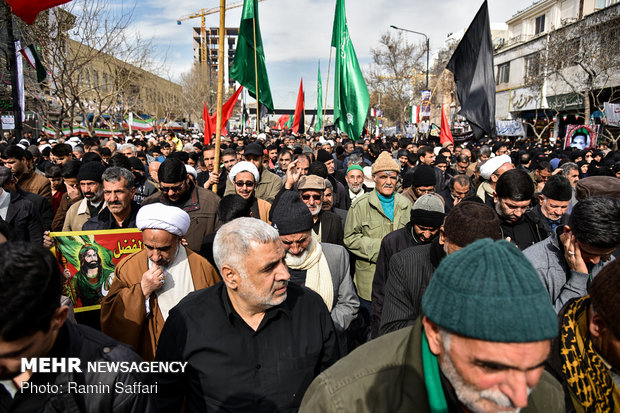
490,291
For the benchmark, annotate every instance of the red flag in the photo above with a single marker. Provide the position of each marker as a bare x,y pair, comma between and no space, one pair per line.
298,122
27,10
445,135
282,121
207,120
227,110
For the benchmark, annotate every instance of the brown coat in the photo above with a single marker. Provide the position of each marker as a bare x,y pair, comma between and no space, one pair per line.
202,210
61,212
37,184
123,310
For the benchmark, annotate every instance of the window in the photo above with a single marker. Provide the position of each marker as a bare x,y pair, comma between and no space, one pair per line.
540,24
532,65
503,73
601,4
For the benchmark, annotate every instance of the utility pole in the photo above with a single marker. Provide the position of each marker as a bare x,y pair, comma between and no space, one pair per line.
17,110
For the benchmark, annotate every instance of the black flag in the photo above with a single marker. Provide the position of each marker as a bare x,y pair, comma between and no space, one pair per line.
472,65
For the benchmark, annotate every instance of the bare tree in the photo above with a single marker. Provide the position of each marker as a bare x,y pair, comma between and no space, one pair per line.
396,76
97,64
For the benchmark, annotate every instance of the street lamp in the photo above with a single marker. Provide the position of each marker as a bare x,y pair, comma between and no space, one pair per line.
428,48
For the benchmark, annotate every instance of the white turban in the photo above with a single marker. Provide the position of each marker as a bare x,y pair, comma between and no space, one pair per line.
159,216
244,166
492,165
191,170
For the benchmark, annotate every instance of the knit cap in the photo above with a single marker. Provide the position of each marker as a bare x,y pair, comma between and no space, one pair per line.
558,188
385,163
490,291
423,175
290,215
428,211
91,171
324,156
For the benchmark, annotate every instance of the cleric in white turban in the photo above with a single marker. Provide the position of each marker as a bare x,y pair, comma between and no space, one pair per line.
244,166
149,283
160,216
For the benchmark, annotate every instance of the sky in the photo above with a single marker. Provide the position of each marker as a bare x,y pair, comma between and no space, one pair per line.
297,33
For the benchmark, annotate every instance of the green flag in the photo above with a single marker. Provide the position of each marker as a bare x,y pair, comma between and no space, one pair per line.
289,122
243,69
351,97
319,103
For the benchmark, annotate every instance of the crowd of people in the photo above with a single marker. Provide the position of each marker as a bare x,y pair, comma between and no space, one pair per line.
315,273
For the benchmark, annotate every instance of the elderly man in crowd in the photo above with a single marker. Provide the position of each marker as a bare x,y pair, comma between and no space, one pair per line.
458,189
120,210
327,226
419,181
427,215
253,342
147,284
574,253
246,178
320,266
355,184
484,352
371,217
553,202
586,356
177,189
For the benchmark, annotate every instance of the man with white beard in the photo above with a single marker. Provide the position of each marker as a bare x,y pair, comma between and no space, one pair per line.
322,267
327,225
355,184
479,346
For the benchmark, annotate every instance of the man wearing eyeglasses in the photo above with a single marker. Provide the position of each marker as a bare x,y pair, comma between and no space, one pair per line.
269,184
513,196
177,189
327,225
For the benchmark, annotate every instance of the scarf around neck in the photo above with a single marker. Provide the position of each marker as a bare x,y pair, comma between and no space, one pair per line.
318,276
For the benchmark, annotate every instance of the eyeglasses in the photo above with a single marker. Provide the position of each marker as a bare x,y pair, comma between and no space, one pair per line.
306,197
241,184
176,188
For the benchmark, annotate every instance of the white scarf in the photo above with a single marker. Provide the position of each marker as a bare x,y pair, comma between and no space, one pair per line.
178,282
318,276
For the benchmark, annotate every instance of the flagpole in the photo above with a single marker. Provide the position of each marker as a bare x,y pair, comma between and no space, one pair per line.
256,76
431,97
329,65
220,88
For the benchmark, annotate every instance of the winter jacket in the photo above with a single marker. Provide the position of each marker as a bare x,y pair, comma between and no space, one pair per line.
24,220
562,284
366,226
105,220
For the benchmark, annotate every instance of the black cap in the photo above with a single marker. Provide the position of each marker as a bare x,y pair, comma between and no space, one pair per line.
253,149
91,171
290,215
323,156
558,188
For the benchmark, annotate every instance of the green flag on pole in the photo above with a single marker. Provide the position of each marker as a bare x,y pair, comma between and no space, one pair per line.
243,68
319,103
351,97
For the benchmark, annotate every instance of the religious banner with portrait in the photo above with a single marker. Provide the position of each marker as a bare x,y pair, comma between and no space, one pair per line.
87,260
580,136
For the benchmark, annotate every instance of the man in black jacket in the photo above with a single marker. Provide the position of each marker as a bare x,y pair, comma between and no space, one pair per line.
19,213
427,216
513,197
327,225
33,325
41,204
120,210
553,202
412,269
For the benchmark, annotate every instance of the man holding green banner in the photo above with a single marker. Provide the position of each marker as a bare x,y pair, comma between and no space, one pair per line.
351,97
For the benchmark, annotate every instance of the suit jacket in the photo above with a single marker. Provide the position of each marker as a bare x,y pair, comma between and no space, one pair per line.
123,310
23,219
331,228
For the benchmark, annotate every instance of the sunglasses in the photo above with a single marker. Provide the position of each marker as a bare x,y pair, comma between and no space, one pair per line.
314,197
176,188
241,184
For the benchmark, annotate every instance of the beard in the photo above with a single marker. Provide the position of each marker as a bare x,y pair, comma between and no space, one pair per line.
471,397
315,210
355,190
299,259
92,264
